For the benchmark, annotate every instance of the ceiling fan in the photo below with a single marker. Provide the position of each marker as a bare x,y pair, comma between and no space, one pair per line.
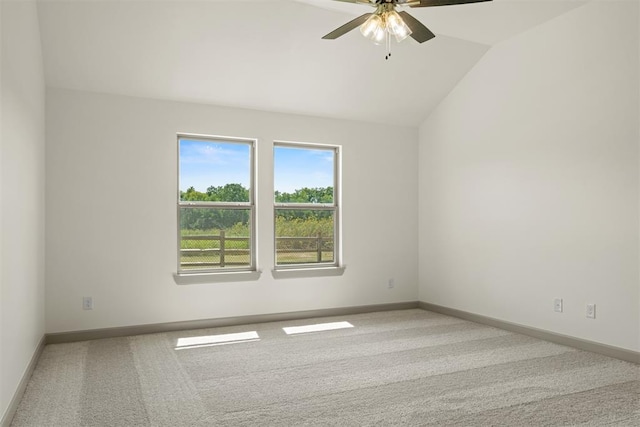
385,21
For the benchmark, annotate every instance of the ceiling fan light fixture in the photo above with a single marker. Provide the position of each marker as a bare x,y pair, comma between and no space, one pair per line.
396,26
379,36
371,27
385,21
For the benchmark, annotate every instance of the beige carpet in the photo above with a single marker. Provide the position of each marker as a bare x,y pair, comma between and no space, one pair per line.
409,367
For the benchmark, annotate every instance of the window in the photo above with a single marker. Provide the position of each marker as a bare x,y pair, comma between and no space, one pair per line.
216,209
306,205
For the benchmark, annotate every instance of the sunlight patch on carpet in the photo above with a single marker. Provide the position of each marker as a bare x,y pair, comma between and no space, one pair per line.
211,340
320,327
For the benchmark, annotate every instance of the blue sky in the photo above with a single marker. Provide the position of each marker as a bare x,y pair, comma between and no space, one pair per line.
296,168
206,163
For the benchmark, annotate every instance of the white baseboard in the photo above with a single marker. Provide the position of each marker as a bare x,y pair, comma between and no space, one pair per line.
17,396
604,349
93,334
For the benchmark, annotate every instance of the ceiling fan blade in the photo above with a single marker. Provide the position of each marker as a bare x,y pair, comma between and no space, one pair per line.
347,27
355,1
419,32
429,3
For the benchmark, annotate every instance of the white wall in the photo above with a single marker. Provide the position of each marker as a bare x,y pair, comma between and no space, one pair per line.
111,215
21,194
529,180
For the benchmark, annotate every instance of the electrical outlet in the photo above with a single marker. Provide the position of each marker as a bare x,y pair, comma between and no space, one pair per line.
591,311
87,303
392,283
557,305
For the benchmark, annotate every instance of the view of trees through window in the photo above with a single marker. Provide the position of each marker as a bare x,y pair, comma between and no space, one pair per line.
216,206
305,208
299,229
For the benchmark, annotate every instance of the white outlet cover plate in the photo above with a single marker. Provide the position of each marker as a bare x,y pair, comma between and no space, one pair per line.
591,311
557,305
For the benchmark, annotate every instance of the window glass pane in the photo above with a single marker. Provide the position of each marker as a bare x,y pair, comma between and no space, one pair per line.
214,171
303,175
213,238
304,236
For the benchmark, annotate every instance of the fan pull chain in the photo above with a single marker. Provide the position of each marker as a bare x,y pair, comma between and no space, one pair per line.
388,46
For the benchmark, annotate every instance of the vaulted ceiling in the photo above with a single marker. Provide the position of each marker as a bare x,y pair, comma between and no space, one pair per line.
269,55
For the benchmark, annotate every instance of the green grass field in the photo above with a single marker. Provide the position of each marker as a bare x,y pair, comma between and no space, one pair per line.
201,250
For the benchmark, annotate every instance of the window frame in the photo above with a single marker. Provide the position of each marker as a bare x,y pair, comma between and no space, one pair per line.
250,205
334,207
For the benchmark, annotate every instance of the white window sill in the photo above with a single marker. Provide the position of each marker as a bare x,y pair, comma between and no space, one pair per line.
290,273
217,277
